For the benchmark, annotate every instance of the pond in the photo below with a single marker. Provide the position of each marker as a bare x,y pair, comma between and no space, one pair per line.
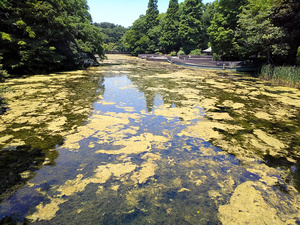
138,142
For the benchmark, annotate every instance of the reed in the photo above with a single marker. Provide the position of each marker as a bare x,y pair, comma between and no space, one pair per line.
283,75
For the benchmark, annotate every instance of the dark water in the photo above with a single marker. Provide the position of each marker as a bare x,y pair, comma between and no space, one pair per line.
134,153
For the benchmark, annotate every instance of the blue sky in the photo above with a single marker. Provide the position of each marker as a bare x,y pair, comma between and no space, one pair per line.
123,12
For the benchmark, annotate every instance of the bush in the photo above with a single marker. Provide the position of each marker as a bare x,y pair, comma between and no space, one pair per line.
180,52
196,52
216,57
3,73
173,53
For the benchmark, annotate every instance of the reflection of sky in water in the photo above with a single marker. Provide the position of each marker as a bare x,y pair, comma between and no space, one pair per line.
185,159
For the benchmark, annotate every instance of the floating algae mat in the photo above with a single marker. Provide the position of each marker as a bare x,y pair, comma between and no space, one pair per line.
137,142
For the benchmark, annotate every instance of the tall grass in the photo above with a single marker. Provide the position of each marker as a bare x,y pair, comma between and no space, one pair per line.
283,75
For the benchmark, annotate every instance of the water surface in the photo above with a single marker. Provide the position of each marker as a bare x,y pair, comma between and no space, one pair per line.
137,142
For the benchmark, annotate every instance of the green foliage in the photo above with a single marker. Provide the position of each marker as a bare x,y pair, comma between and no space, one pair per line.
222,29
135,39
207,16
190,26
258,33
112,35
3,73
152,25
235,29
286,75
196,52
169,39
286,16
180,52
43,36
152,14
173,53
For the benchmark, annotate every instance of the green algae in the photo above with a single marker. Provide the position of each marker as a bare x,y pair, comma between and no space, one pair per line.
36,120
145,154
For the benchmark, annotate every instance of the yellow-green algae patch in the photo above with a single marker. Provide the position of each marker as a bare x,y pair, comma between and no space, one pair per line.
248,207
136,144
275,143
47,211
192,180
102,174
147,170
205,130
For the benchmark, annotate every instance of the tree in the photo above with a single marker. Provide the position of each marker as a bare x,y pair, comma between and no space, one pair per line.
207,16
135,39
191,31
169,39
222,29
152,14
257,33
112,35
285,14
43,36
152,25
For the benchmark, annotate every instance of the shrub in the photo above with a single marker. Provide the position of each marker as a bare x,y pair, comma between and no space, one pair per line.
173,53
180,52
216,57
3,73
196,52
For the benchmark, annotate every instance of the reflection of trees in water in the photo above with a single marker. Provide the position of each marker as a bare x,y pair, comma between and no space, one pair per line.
18,162
2,106
148,85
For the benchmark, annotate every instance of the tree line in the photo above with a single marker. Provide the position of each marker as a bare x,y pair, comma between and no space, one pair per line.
112,36
44,36
235,29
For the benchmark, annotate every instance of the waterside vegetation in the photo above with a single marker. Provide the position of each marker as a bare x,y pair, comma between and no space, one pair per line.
45,36
264,31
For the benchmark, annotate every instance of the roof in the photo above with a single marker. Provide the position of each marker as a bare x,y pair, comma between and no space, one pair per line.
207,50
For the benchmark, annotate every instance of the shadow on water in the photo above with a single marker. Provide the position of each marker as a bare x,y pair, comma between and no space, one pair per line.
143,156
27,146
283,163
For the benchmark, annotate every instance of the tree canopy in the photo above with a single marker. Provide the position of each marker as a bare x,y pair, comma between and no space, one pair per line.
43,36
169,39
112,35
235,29
191,31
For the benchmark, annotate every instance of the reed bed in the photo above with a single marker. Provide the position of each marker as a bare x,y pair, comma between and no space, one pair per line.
282,75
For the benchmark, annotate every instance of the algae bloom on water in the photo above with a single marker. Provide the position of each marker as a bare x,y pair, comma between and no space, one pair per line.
138,142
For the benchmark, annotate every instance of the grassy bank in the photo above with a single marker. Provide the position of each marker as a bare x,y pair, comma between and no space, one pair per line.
282,75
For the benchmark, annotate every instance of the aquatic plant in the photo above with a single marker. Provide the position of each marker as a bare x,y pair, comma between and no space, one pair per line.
283,75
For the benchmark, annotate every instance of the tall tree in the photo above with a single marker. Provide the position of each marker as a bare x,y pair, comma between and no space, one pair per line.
135,39
207,16
112,35
152,14
257,33
42,36
222,29
152,23
191,31
169,39
286,14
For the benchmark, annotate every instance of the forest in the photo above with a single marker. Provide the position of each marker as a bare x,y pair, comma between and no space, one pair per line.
54,35
44,36
235,29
